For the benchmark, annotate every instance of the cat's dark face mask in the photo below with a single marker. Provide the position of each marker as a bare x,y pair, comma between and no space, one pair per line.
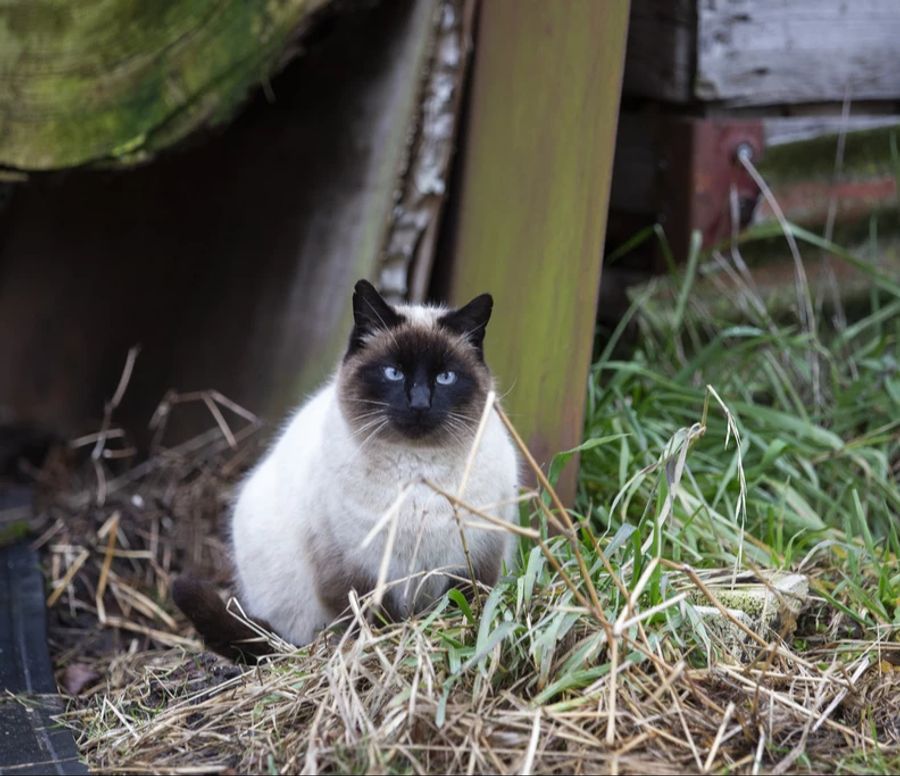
413,380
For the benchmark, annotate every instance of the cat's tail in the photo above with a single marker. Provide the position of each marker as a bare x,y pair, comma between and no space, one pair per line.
222,632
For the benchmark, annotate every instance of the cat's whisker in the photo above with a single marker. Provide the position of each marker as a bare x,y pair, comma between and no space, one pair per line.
459,439
461,415
367,401
465,430
463,440
507,392
370,413
359,431
371,436
367,442
451,427
464,419
361,447
454,436
458,414
367,415
367,412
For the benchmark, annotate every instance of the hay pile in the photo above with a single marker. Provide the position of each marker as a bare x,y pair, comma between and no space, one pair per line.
113,533
586,660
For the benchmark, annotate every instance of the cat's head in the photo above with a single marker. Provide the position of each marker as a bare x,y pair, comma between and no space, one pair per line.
414,373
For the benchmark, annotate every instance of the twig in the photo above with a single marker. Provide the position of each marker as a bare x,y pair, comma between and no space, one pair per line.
113,403
60,586
760,747
611,702
112,537
798,708
713,750
861,669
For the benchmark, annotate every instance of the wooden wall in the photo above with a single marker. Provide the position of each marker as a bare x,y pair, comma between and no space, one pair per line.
536,167
787,78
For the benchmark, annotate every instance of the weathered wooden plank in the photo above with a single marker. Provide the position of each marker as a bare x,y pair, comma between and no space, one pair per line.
118,80
763,52
759,52
536,170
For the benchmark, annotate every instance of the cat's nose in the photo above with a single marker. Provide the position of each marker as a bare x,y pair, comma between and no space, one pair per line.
420,397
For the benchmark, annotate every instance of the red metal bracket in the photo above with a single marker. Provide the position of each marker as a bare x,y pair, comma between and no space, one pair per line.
698,168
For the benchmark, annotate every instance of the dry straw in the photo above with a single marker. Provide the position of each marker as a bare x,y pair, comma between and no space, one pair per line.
565,667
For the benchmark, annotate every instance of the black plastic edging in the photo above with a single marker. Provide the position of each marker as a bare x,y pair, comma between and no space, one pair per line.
30,741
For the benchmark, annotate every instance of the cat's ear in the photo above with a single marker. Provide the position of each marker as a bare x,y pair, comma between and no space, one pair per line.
471,321
370,314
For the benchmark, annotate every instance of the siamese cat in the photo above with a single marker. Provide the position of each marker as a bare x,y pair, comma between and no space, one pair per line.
402,409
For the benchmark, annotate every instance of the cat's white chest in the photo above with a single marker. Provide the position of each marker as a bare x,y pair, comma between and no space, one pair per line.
395,485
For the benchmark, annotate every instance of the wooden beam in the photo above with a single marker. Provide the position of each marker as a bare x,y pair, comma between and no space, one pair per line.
115,80
763,52
532,215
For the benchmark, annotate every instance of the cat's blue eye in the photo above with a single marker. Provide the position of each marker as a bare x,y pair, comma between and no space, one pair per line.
393,374
446,378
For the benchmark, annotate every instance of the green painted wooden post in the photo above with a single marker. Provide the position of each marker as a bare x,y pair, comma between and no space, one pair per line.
536,172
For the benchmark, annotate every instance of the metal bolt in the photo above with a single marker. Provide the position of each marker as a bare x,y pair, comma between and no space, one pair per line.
744,151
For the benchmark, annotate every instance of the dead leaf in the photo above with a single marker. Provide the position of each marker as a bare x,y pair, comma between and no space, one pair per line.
77,676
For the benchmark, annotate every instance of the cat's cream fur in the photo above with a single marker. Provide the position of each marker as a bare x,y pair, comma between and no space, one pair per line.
306,508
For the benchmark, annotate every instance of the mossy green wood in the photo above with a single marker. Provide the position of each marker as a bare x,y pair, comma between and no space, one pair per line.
536,174
88,80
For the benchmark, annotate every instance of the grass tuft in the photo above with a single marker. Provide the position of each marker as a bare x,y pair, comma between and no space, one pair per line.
716,456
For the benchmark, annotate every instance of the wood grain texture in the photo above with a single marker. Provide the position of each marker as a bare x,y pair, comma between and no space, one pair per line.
536,171
758,52
763,52
118,80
